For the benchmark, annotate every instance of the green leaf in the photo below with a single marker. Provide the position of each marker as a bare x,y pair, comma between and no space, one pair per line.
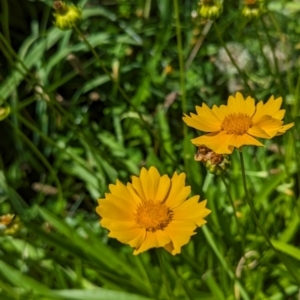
287,249
97,294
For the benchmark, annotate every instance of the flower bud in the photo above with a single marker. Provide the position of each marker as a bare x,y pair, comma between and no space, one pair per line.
66,16
4,112
9,224
253,9
210,9
215,163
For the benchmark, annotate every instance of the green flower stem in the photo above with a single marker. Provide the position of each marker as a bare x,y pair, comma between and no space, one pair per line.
289,71
182,73
56,104
127,99
240,228
10,53
146,124
260,227
40,156
164,274
260,43
180,57
279,81
241,73
5,19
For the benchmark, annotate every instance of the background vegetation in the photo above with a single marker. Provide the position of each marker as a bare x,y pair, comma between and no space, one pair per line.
71,133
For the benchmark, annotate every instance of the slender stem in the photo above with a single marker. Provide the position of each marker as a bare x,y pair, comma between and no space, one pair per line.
40,156
182,73
282,37
241,73
279,81
180,57
92,49
198,44
5,19
260,227
164,274
240,228
260,43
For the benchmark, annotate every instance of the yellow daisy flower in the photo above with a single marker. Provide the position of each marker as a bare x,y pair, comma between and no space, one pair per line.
152,212
236,124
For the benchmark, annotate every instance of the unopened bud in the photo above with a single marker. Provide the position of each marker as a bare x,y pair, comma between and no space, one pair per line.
215,163
4,112
9,224
210,9
253,9
66,16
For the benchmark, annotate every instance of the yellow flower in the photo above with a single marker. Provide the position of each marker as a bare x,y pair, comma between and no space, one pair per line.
210,9
4,112
253,9
6,219
236,124
9,224
66,16
152,212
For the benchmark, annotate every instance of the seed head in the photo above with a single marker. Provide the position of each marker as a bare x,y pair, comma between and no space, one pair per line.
215,163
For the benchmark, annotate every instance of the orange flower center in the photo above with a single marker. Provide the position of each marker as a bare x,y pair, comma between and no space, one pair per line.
153,215
237,123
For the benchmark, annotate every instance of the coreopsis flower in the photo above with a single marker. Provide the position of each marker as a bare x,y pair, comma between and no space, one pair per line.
238,123
152,212
66,16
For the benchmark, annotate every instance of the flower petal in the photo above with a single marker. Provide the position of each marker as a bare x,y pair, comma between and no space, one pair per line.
258,132
218,142
270,108
192,211
238,104
153,240
180,233
279,115
163,188
150,182
201,123
284,128
127,233
111,210
238,141
178,192
220,112
137,184
120,190
207,113
269,125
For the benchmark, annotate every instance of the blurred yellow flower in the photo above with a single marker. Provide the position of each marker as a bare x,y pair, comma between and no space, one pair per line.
236,124
9,224
6,219
210,9
253,9
152,212
4,112
66,16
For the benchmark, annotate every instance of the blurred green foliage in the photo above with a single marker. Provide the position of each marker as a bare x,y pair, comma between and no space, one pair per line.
71,133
